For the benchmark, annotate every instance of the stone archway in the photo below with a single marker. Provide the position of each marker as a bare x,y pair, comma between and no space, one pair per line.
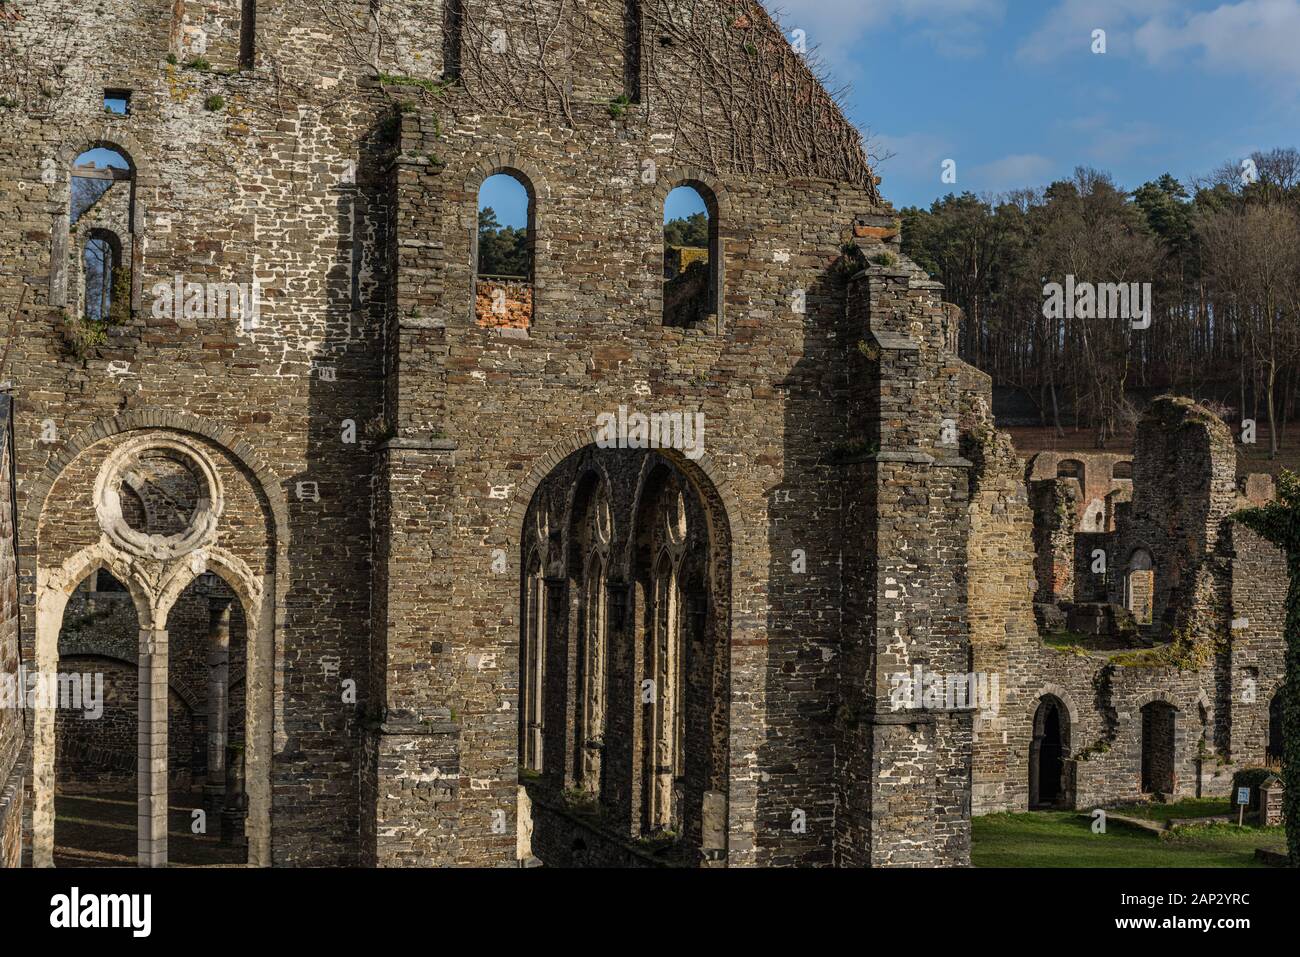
628,553
1049,751
156,562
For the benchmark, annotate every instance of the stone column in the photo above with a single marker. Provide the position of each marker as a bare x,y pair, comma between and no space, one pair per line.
214,786
151,815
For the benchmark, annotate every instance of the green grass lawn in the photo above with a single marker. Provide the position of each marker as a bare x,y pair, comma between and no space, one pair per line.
1063,839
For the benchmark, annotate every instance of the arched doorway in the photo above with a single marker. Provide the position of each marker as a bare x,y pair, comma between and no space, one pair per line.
146,485
1048,753
624,660
207,648
1158,747
95,722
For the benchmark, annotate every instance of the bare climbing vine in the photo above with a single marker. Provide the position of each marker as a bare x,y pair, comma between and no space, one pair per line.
753,104
34,75
739,98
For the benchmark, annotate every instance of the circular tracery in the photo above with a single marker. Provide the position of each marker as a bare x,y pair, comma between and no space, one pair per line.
158,497
160,493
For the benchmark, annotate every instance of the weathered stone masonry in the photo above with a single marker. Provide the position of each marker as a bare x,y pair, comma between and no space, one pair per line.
15,735
408,506
1133,723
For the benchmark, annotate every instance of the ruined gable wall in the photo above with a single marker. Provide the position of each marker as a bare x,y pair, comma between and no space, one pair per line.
477,416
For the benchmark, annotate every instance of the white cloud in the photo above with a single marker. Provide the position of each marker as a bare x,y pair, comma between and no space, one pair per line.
1067,28
836,27
1249,36
1253,36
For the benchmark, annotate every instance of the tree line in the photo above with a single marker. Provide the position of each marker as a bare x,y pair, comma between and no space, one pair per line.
1221,254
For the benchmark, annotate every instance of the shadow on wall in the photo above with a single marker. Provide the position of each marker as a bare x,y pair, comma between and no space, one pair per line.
795,806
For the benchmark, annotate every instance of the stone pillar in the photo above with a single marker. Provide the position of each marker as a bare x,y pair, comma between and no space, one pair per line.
235,803
554,731
906,538
214,787
151,815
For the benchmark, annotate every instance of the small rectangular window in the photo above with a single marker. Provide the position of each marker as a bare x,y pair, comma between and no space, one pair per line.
248,35
117,102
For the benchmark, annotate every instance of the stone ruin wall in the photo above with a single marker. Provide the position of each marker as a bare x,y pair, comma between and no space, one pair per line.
14,734
1104,700
765,381
280,185
466,421
287,183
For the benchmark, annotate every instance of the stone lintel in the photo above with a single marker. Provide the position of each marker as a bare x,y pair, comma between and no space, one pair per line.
895,343
399,443
414,728
915,458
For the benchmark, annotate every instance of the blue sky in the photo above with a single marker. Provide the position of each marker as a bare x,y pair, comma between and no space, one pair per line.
103,158
509,200
1012,92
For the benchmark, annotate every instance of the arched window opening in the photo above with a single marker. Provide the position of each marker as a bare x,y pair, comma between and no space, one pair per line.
106,289
1123,470
692,260
664,665
207,649
663,668
101,221
591,544
504,253
96,730
1048,752
1071,469
1139,587
247,34
637,662
1158,748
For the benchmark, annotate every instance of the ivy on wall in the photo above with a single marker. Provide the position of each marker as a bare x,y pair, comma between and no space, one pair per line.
1279,523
